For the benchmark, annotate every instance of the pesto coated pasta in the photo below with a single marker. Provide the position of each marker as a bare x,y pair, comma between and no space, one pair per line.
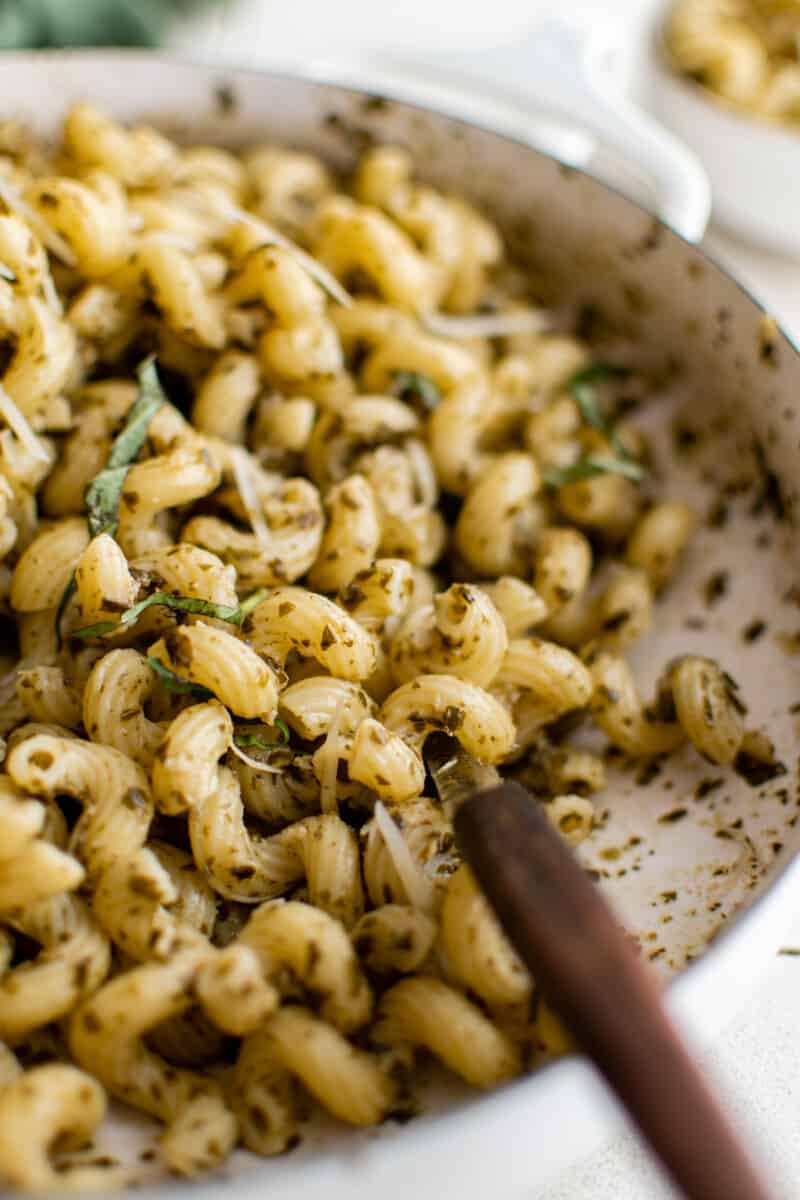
294,475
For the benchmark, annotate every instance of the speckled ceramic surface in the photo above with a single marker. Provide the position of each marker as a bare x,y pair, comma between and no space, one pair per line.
684,849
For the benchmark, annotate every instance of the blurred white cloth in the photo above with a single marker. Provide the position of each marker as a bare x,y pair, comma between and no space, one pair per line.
756,1061
253,30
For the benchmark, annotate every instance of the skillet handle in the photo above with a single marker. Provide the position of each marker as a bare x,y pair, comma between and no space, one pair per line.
573,69
556,89
586,966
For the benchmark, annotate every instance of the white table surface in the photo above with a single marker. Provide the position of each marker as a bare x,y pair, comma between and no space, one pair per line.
755,1062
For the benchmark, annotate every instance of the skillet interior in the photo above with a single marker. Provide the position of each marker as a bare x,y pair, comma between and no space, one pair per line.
680,854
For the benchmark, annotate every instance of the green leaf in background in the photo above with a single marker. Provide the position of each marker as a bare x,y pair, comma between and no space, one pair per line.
36,23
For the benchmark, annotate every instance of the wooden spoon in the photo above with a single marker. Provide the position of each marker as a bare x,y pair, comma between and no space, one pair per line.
590,973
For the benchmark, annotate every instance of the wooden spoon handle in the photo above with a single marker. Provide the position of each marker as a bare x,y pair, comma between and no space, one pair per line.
589,971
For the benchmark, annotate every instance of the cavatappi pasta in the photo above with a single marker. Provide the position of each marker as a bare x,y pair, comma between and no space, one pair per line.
292,476
745,51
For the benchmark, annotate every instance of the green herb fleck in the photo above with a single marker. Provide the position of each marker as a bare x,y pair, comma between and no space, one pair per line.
581,388
598,372
188,604
248,604
104,491
252,739
66,596
174,683
591,465
7,274
416,389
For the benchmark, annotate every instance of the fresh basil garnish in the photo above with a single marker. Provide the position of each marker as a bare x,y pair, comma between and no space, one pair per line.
66,596
248,604
252,740
581,388
174,683
591,465
104,491
187,604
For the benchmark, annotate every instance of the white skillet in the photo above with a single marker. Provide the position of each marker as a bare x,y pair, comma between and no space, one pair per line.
682,857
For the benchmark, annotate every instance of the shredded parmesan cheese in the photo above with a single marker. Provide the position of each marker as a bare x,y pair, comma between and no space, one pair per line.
170,237
255,763
19,424
273,237
488,325
51,295
418,887
48,236
321,274
315,269
241,467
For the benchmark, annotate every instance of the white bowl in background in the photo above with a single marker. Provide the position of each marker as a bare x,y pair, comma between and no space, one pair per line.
562,85
753,163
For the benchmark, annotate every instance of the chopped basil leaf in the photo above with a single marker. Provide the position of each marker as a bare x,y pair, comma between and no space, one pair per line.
584,397
189,604
416,389
248,604
174,683
104,491
66,596
581,387
280,725
7,274
598,372
252,739
591,465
